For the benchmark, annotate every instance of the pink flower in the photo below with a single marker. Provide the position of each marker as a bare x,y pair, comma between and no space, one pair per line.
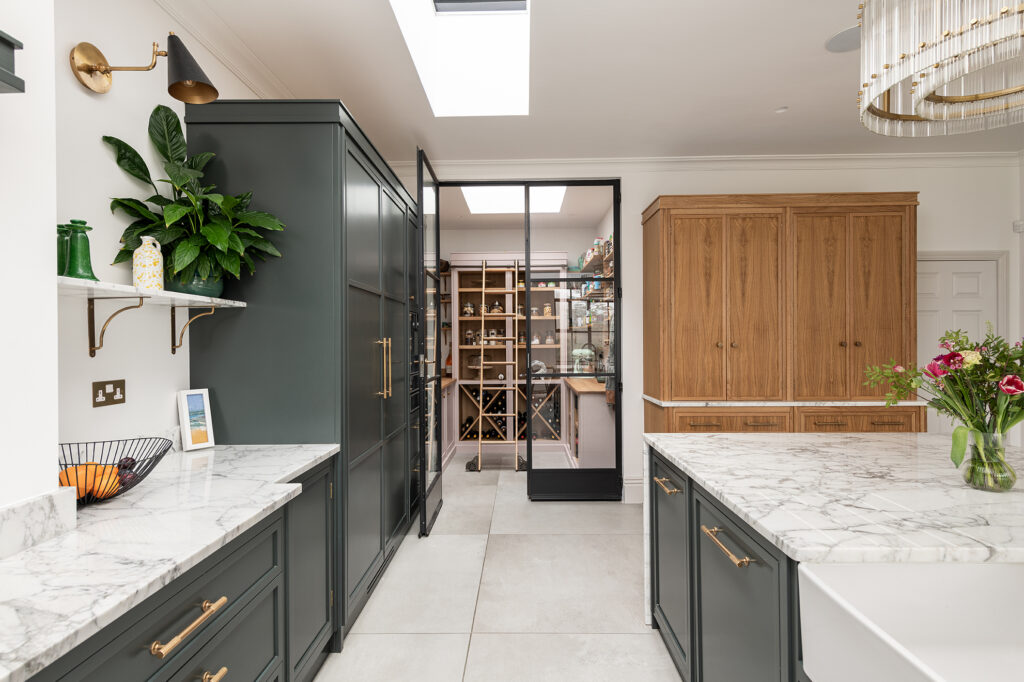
899,369
1011,385
946,344
935,369
953,360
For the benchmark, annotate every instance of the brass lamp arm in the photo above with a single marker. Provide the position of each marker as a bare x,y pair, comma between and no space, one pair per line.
105,68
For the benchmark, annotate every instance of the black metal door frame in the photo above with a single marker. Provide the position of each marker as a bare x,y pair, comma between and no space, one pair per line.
569,484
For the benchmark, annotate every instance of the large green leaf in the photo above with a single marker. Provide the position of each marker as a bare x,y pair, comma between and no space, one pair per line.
179,174
217,232
203,265
158,200
230,262
168,236
235,243
165,131
129,160
199,161
265,246
175,212
259,219
959,447
134,208
228,204
122,256
184,253
215,198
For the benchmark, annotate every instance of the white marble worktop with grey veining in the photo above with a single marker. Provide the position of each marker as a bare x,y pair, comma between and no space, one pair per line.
854,497
56,594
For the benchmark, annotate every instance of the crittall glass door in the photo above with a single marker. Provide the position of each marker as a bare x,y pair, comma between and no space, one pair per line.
430,450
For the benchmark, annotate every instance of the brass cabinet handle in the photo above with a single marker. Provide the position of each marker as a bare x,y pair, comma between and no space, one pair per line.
210,677
894,423
391,370
821,423
661,484
209,609
736,561
720,344
760,423
704,424
842,344
858,344
384,367
734,345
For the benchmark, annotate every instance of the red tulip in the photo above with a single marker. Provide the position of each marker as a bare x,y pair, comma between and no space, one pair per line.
935,369
953,360
1011,385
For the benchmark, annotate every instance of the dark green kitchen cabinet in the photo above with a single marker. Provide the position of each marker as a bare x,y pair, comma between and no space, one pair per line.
309,573
723,597
321,352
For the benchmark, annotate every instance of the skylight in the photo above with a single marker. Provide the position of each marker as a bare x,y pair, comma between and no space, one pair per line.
470,63
484,199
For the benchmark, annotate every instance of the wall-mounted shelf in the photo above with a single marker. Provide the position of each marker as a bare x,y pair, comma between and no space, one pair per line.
70,287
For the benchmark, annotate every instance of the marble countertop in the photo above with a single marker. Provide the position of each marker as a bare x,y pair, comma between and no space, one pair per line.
58,593
854,497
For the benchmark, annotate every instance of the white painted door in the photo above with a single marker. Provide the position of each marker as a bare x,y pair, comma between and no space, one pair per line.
953,294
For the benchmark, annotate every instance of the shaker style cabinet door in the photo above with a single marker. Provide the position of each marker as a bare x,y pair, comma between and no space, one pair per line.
396,330
821,345
364,539
366,369
393,246
754,350
362,216
877,324
671,571
696,333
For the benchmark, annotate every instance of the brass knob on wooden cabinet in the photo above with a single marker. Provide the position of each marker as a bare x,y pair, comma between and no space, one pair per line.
858,344
842,344
720,344
734,345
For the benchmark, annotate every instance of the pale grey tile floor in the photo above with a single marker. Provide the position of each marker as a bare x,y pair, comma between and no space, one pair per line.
508,589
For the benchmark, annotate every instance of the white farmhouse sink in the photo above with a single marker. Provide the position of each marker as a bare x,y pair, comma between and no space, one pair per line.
908,622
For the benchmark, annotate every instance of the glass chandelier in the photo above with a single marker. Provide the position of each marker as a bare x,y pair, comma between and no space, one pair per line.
941,67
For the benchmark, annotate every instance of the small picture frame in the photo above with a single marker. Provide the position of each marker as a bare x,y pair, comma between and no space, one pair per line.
195,419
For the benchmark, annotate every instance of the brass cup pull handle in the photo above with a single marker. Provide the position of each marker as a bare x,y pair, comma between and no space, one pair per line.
736,561
705,424
384,367
209,610
221,674
760,423
668,491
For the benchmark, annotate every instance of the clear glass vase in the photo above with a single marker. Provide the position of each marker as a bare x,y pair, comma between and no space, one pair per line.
987,468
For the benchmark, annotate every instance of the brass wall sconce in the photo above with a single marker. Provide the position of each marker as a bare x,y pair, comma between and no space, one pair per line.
185,80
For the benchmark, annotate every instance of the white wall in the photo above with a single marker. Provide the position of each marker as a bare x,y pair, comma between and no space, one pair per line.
28,342
571,240
967,202
137,343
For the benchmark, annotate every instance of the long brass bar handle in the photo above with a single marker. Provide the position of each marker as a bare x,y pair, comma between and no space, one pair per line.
221,674
706,424
895,423
736,561
384,367
821,423
760,423
668,491
391,369
209,609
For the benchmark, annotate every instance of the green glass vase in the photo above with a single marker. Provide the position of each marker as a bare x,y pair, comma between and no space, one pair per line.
79,261
63,243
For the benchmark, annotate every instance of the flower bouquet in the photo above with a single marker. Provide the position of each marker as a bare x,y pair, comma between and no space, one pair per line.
979,386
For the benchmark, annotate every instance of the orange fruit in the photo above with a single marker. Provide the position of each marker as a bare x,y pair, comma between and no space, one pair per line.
105,482
81,477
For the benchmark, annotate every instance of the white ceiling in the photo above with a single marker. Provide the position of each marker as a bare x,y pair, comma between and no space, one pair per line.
609,78
583,208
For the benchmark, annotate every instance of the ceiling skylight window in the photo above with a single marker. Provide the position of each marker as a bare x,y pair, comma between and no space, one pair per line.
484,199
473,61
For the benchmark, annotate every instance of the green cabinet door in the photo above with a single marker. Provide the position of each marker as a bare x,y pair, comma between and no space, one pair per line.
308,573
364,548
740,620
367,375
396,487
670,500
362,221
393,242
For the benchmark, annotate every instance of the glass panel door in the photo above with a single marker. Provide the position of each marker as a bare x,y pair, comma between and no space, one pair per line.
431,368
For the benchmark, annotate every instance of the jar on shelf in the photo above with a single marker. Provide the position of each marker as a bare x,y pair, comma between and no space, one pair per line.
483,309
468,309
521,310
468,337
548,310
522,339
496,307
549,339
148,265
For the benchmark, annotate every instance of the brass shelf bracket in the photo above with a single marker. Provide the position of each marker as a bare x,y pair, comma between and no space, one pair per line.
93,346
181,335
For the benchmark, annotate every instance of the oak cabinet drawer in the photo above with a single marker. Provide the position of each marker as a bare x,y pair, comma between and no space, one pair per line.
250,647
777,420
176,626
865,420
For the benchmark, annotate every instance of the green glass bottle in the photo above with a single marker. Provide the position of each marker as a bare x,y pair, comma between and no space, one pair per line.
79,260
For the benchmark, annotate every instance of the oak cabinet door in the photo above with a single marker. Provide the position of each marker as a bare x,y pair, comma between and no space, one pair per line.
877,324
754,351
696,336
821,345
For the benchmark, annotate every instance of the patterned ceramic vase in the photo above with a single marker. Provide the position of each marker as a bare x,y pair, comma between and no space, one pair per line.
148,265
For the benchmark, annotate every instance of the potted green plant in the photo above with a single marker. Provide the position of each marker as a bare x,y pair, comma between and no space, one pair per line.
205,236
977,384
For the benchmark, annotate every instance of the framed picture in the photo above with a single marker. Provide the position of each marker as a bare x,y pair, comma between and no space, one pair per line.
195,419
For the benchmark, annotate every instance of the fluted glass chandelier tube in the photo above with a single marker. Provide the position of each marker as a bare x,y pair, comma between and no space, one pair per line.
941,67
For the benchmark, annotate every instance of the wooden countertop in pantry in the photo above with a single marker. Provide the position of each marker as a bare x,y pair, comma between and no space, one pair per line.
585,385
446,382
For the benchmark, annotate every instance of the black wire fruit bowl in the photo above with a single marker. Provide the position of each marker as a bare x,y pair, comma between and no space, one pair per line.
102,470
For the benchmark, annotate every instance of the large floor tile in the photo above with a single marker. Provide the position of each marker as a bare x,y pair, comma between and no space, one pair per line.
384,658
463,519
562,583
515,513
561,658
430,586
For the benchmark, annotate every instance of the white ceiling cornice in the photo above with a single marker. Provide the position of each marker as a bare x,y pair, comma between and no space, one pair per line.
213,33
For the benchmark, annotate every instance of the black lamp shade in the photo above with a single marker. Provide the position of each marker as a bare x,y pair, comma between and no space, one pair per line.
185,80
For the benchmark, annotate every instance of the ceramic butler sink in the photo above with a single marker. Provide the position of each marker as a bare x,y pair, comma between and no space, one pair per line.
907,622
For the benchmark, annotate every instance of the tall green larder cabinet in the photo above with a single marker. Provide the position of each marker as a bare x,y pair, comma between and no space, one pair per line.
322,352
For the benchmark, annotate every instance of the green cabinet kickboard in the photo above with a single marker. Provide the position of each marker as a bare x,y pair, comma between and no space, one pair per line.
720,622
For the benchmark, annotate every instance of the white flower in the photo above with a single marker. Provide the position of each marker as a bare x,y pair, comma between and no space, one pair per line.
971,357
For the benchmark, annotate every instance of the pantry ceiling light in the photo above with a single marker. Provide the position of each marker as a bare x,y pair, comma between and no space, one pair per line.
471,63
487,199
